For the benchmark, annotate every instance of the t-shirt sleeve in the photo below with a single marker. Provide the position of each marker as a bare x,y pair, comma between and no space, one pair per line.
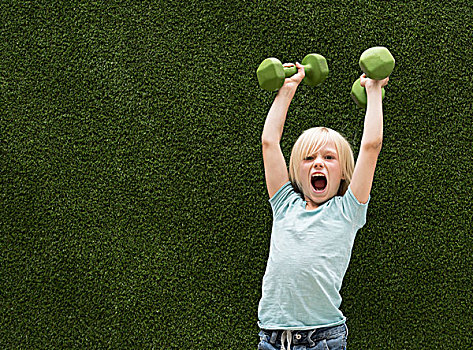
353,209
282,198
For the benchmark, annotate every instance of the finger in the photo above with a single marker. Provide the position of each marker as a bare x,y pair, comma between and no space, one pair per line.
300,69
288,65
384,82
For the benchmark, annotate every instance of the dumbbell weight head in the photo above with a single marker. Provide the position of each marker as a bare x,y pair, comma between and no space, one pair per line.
377,62
315,68
358,94
271,73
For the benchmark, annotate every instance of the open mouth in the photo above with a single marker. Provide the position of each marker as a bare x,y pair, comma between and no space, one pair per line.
319,182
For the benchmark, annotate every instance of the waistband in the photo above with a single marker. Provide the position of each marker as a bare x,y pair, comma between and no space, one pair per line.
307,337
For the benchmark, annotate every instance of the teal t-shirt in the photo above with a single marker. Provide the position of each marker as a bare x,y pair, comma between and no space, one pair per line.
308,257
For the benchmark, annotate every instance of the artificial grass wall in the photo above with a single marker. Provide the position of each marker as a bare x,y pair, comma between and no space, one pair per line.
133,206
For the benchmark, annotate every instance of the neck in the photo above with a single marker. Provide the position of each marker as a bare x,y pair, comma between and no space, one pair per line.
310,205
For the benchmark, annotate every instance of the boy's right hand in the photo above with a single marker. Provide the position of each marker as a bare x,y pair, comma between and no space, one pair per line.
293,82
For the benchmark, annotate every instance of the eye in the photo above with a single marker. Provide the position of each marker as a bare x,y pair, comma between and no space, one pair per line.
308,158
329,156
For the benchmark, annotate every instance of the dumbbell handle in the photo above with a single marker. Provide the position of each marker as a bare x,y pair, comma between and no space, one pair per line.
315,68
290,71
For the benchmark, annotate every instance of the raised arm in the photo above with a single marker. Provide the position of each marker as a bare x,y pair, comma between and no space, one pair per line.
371,140
274,163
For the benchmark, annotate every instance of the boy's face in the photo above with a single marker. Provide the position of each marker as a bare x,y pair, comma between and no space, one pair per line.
320,175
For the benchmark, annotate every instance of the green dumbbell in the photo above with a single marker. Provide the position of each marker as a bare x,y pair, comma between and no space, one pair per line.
271,73
377,63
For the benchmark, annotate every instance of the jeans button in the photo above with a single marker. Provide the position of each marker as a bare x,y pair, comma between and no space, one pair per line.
298,336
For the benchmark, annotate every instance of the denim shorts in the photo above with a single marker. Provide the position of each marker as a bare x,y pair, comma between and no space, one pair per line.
330,338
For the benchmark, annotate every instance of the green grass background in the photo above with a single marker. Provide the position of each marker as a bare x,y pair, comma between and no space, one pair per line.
133,207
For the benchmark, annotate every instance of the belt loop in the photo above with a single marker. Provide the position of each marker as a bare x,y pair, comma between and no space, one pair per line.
309,338
274,335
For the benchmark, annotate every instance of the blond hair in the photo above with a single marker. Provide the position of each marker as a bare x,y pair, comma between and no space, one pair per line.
309,143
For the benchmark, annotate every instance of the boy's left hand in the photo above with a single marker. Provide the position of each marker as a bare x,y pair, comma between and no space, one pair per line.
370,84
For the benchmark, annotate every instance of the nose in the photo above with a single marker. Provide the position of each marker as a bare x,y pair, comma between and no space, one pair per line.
318,162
